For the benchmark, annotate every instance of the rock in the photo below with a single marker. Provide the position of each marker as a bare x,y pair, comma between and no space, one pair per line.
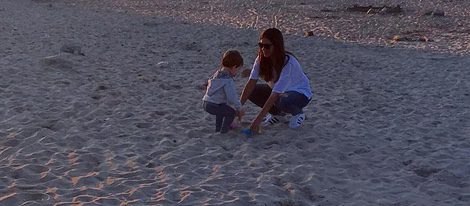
308,33
423,39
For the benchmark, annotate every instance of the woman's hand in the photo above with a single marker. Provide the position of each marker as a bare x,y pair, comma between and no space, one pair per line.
255,125
269,103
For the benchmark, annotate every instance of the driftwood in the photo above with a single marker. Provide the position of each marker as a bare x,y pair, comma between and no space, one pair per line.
398,38
375,10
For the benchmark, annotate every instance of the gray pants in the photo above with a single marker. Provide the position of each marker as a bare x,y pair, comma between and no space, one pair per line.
224,115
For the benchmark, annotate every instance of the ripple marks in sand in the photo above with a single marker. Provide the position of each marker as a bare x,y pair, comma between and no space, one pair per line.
24,198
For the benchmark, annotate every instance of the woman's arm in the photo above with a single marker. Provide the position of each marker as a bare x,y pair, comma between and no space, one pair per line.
266,107
249,87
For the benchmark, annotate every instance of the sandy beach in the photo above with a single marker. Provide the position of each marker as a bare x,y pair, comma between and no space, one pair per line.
441,25
101,105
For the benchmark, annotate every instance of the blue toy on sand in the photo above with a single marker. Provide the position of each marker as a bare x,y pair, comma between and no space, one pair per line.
248,132
244,128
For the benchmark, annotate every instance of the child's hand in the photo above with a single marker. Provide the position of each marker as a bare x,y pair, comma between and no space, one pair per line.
241,113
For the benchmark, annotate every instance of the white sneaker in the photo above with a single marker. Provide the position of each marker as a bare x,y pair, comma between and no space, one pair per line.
272,120
296,121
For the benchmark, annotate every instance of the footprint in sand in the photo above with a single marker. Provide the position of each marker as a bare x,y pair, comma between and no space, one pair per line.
11,143
57,62
143,125
50,124
451,179
169,87
72,48
360,151
157,114
193,46
425,171
20,199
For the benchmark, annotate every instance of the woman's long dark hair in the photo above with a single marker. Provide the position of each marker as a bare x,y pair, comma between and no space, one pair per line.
277,58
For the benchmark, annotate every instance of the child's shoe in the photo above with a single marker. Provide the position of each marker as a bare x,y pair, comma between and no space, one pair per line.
234,125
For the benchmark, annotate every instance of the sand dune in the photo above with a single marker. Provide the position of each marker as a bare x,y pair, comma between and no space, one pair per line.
122,124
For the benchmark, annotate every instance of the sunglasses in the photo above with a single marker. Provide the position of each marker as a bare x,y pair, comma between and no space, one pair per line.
266,46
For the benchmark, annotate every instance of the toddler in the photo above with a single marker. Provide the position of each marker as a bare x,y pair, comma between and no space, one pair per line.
221,98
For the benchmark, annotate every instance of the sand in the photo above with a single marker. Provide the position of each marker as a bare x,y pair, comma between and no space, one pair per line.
102,106
442,24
